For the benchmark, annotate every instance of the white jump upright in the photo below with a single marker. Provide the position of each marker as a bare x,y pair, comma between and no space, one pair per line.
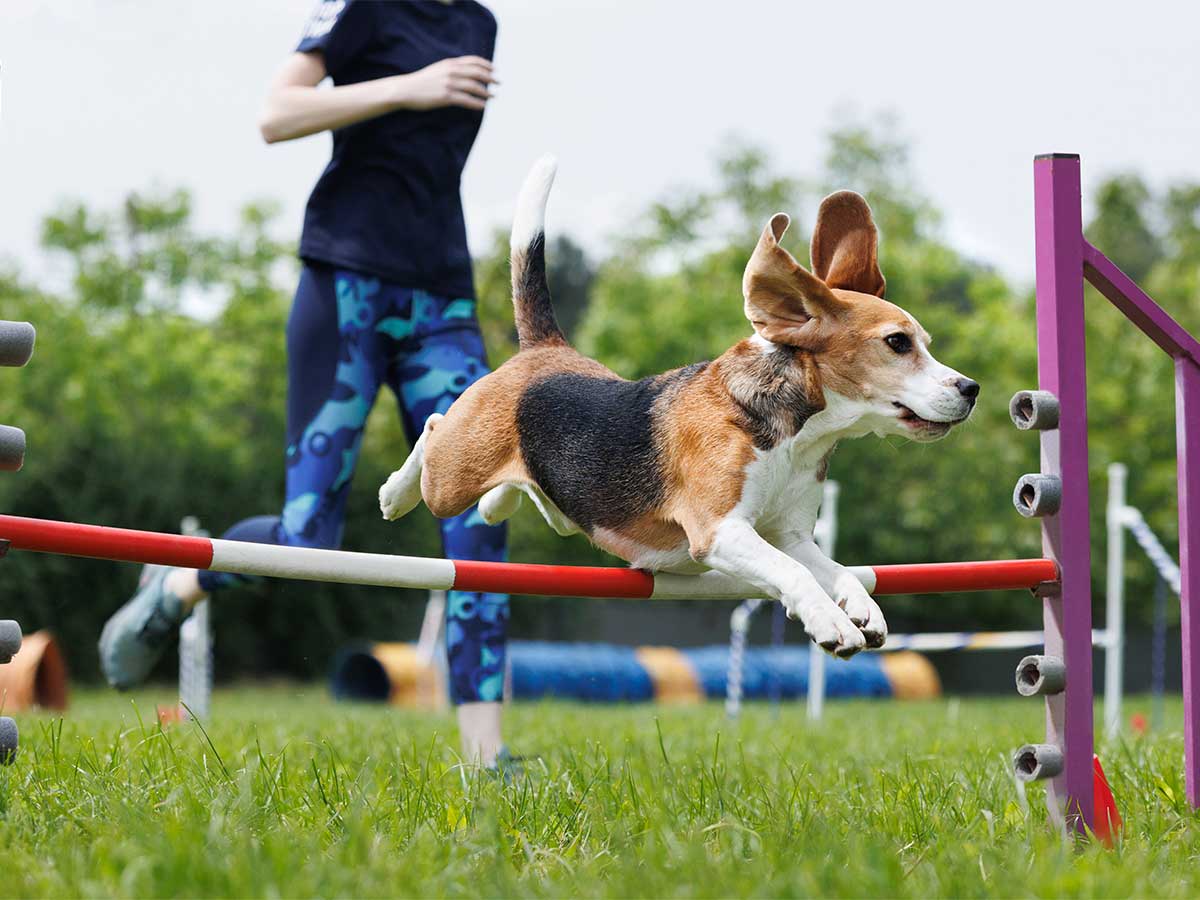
1121,517
196,649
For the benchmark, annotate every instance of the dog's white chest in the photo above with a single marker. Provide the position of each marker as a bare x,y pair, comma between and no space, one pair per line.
782,492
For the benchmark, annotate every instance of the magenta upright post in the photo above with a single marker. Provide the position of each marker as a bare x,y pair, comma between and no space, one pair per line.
1187,449
1066,535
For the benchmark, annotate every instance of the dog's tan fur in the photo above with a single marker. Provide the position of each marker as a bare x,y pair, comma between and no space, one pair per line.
482,422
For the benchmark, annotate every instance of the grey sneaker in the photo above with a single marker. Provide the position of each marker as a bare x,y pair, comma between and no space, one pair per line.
136,635
508,768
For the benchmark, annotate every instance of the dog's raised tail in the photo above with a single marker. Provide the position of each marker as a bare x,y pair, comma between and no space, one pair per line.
534,311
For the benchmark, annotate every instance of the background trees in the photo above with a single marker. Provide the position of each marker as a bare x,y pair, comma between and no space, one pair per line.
158,391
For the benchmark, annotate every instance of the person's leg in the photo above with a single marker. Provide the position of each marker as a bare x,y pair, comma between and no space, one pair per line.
439,356
332,383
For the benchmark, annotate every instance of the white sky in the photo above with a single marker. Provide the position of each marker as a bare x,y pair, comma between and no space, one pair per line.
634,96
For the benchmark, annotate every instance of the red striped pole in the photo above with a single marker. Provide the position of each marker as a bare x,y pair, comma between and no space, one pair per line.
945,578
127,545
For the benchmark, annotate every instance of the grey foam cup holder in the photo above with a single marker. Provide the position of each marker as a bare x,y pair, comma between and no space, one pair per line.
1034,410
1038,495
1034,762
10,640
10,739
1039,674
12,448
16,343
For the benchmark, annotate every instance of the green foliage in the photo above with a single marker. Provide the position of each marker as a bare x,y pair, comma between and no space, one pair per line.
289,795
158,390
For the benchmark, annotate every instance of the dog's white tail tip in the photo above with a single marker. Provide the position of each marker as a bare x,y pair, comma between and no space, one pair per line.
530,218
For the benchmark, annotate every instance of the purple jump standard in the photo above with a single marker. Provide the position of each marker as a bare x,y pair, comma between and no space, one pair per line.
1064,259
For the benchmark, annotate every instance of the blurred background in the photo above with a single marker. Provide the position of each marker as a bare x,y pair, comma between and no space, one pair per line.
150,235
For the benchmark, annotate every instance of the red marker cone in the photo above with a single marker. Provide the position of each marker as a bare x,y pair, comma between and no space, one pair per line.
1107,817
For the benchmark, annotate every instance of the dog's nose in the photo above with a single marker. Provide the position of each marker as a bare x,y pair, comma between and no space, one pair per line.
968,388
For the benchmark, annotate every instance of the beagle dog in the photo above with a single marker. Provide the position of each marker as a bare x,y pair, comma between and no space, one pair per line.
717,465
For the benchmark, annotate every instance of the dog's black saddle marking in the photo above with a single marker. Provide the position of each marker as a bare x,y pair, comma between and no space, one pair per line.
589,443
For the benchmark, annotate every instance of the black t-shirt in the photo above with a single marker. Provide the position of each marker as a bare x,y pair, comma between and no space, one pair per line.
388,203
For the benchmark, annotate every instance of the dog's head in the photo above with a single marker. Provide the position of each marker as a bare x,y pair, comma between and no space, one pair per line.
867,350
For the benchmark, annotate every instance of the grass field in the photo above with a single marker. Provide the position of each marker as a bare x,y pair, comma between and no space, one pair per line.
290,795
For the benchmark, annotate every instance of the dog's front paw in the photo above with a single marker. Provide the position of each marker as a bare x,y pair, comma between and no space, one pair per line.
828,625
864,612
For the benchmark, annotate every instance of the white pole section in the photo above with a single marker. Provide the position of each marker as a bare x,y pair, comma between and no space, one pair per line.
1114,621
342,566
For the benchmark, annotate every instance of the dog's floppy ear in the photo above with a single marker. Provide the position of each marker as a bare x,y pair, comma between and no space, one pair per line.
845,245
785,302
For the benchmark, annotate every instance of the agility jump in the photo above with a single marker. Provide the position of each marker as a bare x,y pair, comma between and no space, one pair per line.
424,573
1058,495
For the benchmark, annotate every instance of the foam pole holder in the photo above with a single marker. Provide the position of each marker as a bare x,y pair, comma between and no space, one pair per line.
1036,762
12,448
1041,675
10,739
1038,495
1034,410
16,343
10,640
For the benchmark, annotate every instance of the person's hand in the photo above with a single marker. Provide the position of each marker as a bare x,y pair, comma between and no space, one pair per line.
459,81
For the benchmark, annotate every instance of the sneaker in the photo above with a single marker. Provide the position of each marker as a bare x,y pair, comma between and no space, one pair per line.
508,767
136,635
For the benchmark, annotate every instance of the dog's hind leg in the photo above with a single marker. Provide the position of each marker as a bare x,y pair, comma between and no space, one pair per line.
500,503
554,516
402,491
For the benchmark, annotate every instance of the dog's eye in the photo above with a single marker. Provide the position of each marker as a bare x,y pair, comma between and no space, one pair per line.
900,342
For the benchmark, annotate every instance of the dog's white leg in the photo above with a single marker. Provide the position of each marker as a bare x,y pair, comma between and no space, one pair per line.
554,516
402,491
846,590
737,549
500,503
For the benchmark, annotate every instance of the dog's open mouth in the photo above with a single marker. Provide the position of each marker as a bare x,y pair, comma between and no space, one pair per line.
912,420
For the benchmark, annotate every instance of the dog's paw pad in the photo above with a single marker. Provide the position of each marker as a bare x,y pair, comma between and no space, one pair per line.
874,637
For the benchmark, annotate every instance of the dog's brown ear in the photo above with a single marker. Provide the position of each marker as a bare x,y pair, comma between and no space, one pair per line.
785,302
845,245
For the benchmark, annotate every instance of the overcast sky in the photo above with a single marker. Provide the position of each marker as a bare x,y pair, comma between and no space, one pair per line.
634,96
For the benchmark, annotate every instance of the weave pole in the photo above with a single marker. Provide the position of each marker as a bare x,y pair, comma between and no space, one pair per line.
382,570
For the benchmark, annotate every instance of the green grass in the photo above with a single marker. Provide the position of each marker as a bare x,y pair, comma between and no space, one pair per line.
291,795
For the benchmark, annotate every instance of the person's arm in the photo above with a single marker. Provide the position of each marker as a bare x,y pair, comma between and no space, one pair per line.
295,107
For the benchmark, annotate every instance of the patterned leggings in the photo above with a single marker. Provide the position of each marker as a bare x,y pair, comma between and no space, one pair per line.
348,334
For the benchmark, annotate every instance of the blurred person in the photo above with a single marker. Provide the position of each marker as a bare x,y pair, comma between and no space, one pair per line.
386,296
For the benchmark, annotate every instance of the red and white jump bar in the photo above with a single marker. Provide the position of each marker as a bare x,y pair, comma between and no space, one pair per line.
126,545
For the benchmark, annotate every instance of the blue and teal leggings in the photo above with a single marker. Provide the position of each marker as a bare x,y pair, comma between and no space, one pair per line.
348,334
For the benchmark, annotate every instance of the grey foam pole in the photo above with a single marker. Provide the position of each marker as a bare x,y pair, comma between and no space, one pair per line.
12,448
10,738
10,640
16,343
